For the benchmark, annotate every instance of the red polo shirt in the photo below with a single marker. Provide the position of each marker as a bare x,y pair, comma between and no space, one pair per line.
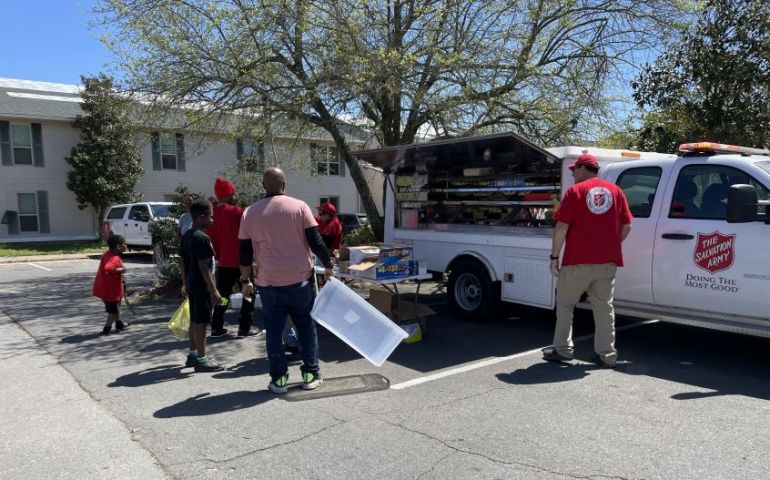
108,284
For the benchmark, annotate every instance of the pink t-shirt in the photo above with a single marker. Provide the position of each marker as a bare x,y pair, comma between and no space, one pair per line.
276,227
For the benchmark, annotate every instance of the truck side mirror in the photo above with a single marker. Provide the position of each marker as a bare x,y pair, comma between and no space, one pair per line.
741,204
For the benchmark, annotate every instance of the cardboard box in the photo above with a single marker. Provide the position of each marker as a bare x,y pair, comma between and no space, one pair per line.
385,302
344,253
359,254
394,253
372,269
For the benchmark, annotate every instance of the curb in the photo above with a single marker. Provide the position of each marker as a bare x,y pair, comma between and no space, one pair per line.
47,258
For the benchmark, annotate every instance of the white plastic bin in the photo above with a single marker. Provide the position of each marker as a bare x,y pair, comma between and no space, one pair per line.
351,318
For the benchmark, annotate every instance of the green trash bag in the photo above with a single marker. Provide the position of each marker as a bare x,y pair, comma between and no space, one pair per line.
180,321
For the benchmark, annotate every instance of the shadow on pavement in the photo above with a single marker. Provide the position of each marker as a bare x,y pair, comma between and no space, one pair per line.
152,376
722,363
249,368
203,404
547,372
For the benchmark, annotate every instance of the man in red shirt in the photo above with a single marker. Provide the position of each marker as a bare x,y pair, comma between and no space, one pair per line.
330,226
224,238
593,219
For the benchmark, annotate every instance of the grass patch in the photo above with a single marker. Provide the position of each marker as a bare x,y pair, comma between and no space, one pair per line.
50,248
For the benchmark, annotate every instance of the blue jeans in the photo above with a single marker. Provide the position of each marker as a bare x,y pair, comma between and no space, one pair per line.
277,303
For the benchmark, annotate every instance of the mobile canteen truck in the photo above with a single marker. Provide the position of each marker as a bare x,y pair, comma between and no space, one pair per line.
480,209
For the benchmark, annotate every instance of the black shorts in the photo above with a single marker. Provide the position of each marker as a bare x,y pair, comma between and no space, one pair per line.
200,308
111,307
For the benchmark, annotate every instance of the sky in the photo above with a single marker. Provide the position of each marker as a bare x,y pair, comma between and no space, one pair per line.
50,41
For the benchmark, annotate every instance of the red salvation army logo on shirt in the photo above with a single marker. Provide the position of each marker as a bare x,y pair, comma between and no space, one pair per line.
599,200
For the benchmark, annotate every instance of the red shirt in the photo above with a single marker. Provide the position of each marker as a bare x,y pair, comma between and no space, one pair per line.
223,233
108,284
596,211
331,232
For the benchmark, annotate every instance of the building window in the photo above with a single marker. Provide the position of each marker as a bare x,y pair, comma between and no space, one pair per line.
28,221
168,152
325,160
21,139
253,155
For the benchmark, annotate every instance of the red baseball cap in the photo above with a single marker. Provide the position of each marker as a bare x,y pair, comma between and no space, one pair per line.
587,160
327,208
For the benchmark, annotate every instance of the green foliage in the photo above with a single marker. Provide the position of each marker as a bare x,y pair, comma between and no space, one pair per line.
544,69
106,164
246,176
713,83
166,229
363,235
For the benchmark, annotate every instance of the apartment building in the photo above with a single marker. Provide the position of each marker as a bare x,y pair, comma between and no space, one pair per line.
36,134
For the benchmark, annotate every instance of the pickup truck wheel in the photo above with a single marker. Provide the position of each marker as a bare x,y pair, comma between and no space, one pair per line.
472,294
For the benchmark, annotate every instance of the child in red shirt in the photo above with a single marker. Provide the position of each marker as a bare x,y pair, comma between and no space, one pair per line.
108,284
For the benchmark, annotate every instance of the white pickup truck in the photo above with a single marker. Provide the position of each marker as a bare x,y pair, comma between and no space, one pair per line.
133,222
480,210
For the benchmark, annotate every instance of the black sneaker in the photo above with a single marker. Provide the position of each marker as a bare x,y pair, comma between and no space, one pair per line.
311,380
252,332
119,326
552,355
218,333
279,385
106,331
207,364
191,361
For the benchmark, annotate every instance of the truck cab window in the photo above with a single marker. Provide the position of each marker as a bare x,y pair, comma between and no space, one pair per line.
701,191
639,185
139,213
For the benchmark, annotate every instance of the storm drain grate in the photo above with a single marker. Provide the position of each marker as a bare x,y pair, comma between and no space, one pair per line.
335,387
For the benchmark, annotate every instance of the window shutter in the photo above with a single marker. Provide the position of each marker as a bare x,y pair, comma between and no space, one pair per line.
238,149
5,147
156,165
341,160
42,211
180,161
37,145
261,157
11,219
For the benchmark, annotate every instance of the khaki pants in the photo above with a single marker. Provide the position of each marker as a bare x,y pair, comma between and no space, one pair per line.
599,282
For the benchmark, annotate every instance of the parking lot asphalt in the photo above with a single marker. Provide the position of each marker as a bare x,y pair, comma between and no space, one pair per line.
473,400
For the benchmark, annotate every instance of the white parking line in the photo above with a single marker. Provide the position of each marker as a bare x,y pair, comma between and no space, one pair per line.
493,361
38,266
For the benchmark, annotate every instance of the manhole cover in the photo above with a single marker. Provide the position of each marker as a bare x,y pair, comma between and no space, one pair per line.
335,387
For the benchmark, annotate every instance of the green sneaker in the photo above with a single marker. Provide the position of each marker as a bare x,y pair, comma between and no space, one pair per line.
206,364
280,384
311,380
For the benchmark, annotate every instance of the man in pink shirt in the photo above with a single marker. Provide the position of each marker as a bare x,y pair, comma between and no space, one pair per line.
278,233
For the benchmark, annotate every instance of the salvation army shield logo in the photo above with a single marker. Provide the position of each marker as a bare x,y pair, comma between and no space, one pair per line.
599,200
714,251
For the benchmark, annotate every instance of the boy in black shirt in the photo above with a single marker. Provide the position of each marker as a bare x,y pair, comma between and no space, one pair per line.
198,281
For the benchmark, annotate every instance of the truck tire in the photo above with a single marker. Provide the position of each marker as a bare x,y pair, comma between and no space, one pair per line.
472,295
